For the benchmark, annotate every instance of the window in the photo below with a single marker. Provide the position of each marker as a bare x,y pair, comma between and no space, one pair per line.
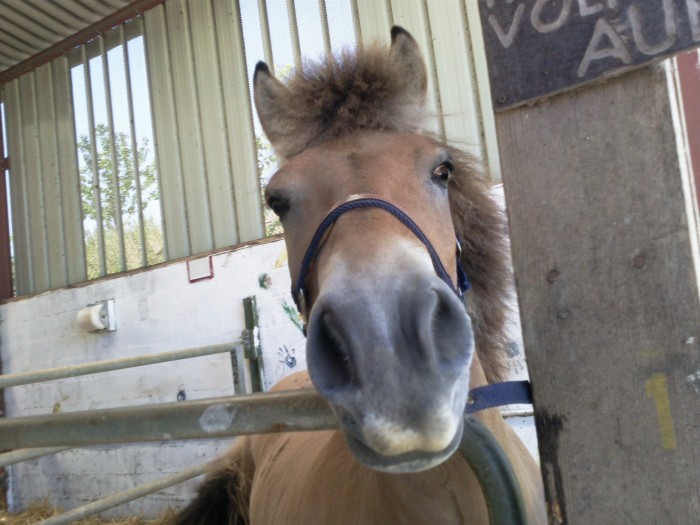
142,146
119,190
84,196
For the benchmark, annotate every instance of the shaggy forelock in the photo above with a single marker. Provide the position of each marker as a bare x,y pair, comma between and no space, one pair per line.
363,91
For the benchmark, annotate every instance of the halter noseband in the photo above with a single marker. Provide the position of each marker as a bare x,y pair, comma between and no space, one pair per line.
355,202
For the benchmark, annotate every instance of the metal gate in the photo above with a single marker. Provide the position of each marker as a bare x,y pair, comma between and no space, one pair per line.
302,410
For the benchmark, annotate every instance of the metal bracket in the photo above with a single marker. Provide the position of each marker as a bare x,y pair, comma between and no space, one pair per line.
252,349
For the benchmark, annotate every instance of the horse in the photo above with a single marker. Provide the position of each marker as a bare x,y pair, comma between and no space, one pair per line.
383,223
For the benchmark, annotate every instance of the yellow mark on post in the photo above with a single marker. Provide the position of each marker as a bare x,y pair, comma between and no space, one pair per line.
657,389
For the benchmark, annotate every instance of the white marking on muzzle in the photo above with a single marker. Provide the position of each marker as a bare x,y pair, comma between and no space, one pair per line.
391,438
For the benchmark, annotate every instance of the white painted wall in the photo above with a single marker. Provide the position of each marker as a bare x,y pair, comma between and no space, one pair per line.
157,310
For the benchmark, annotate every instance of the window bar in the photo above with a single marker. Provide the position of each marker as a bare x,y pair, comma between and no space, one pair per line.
267,41
356,22
294,30
24,274
142,30
42,277
134,147
4,161
115,165
6,289
324,29
64,252
95,171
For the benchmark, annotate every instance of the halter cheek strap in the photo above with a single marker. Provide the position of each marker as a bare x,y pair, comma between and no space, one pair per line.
355,202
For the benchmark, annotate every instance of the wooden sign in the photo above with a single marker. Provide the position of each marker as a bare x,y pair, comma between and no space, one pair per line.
540,47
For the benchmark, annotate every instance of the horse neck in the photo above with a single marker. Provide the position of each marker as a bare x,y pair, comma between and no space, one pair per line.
491,418
525,469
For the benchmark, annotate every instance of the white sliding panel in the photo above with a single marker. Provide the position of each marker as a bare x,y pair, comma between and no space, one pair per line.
203,125
412,15
454,73
239,119
167,138
449,34
189,129
373,21
491,154
47,221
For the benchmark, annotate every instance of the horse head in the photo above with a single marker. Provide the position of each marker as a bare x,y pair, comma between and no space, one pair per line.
373,211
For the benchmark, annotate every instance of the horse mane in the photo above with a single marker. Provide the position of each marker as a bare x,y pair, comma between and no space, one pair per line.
368,90
224,495
482,229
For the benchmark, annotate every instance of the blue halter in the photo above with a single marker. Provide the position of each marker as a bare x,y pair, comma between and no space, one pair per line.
489,396
355,202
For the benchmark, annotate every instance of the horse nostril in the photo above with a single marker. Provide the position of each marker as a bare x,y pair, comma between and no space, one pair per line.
330,367
446,329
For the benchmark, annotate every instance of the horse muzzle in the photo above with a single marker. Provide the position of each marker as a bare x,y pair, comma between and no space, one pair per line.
393,362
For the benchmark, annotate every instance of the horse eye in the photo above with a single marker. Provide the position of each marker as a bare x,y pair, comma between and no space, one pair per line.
278,205
443,172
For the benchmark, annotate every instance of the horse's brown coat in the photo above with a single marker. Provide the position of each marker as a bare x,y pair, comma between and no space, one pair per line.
353,126
312,479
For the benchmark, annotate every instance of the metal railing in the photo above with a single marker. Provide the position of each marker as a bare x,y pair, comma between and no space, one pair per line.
299,410
209,418
51,374
25,454
22,450
129,495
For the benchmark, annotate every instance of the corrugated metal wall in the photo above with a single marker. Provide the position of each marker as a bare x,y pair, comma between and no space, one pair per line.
28,27
47,220
449,33
203,123
204,127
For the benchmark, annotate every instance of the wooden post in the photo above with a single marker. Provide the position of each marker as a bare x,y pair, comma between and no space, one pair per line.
605,256
605,249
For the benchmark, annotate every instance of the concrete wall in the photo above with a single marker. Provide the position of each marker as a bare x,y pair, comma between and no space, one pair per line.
156,311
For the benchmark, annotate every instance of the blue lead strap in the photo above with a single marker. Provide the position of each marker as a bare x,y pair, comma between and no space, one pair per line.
499,394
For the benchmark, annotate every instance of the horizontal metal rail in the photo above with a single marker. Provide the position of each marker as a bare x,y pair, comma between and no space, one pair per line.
295,410
129,495
25,454
218,417
51,374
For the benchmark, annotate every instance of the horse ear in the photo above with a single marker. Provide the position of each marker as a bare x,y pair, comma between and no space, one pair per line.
291,123
269,93
406,55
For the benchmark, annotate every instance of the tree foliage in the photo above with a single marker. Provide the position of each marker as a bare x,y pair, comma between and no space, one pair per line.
99,192
153,234
104,185
267,162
